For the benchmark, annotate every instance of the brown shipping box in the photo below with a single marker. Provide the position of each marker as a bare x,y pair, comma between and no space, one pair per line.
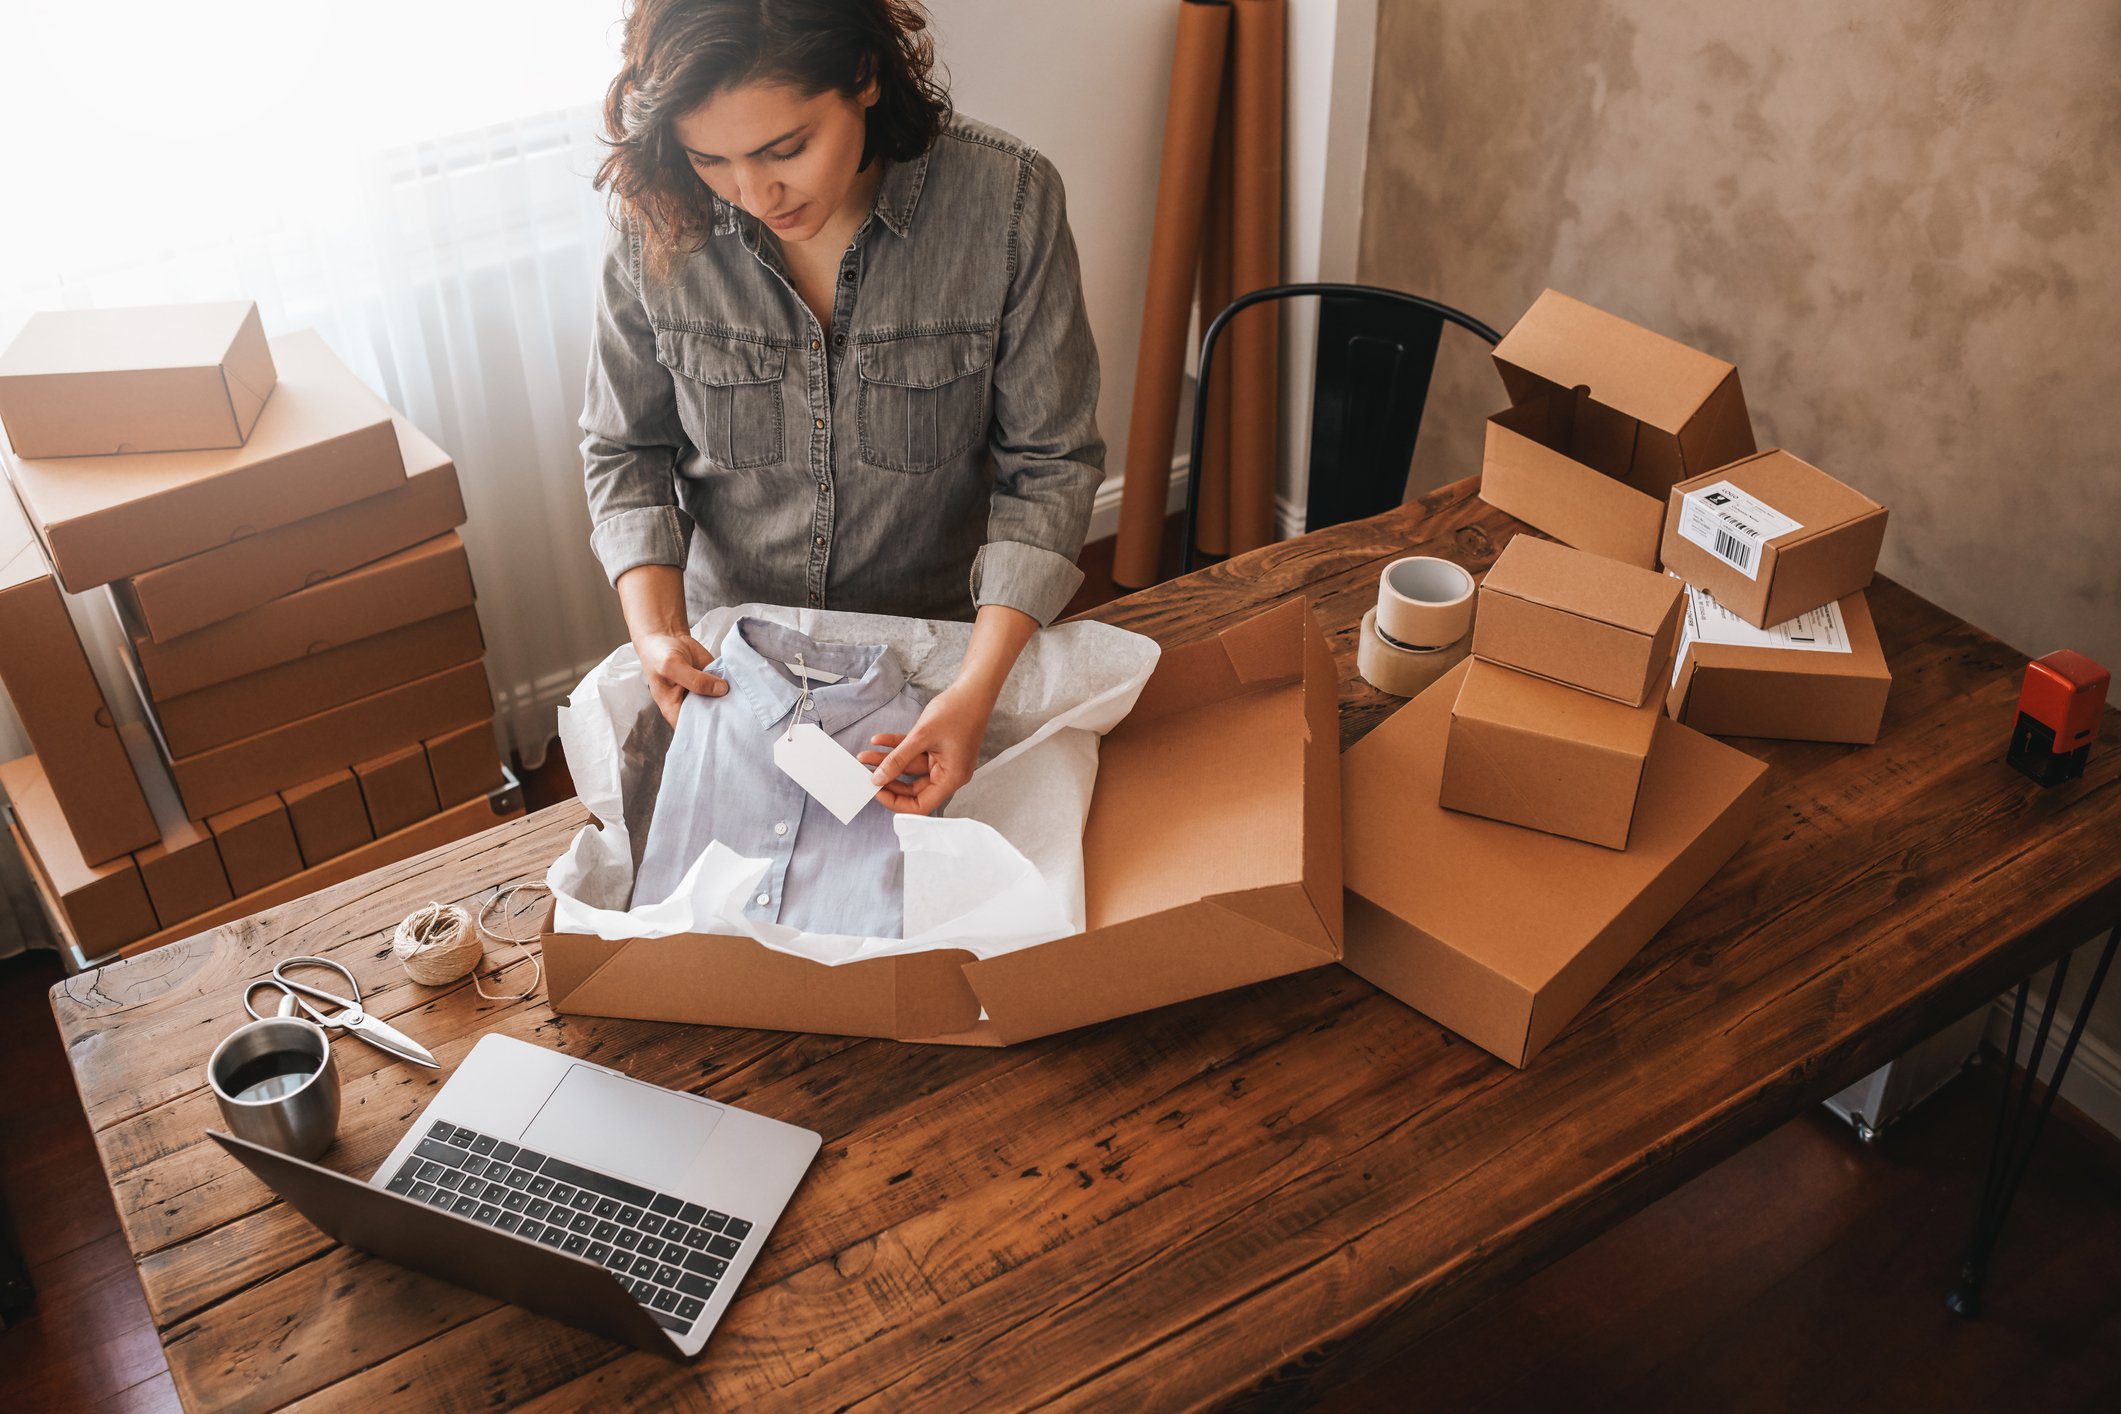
1772,537
60,703
464,763
244,706
397,788
257,844
324,440
1795,694
1544,756
167,378
182,870
430,579
328,815
1604,418
105,906
1578,618
217,584
256,766
1174,911
1503,935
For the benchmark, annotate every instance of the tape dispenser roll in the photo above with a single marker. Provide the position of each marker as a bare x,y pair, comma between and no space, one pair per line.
1424,602
1397,668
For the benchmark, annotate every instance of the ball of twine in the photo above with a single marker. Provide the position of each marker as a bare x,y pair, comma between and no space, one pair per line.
442,943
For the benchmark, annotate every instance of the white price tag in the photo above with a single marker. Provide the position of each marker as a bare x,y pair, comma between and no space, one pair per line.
821,766
1731,525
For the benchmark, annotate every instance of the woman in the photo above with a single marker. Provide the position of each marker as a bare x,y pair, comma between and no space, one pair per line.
840,354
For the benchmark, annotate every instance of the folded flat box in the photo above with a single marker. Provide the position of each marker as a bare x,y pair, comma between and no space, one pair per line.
324,440
182,870
1605,417
257,844
105,905
60,704
397,788
1504,935
1796,694
328,816
217,584
166,378
257,766
1174,911
1580,619
213,716
464,763
1545,756
431,578
1772,537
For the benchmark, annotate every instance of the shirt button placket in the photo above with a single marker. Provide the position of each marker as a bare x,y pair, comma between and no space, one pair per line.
821,468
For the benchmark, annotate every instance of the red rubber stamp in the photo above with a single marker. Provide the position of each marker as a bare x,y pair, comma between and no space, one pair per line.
2058,715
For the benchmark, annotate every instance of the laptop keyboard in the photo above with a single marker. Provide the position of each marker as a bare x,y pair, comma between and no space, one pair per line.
669,1254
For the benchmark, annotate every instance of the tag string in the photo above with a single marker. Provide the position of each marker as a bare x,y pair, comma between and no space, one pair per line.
803,700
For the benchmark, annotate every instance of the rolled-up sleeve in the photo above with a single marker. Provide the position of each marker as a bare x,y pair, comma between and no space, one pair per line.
632,438
1048,455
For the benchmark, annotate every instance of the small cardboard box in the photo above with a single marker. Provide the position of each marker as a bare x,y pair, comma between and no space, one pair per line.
61,705
324,440
397,788
1545,756
1198,877
257,844
216,715
1503,935
1580,619
256,766
168,378
105,905
431,578
1604,418
182,870
464,763
328,815
1772,537
220,583
1820,677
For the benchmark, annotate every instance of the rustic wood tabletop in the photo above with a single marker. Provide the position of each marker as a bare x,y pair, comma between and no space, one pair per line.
1246,1198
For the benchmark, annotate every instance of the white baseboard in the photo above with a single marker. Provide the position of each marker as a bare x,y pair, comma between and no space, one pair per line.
1104,511
2093,1084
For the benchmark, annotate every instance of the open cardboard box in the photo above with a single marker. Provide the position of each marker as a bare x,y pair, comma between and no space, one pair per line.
1605,417
1205,868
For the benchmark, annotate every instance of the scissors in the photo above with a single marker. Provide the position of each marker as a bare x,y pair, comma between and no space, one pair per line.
349,1016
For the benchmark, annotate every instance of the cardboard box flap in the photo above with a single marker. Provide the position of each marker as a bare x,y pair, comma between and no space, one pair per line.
1567,581
1520,702
1813,498
123,340
1628,368
248,370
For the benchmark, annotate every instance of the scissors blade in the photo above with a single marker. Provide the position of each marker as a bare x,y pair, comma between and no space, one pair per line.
389,1038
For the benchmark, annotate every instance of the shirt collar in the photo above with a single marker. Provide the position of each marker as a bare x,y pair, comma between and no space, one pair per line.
897,198
754,650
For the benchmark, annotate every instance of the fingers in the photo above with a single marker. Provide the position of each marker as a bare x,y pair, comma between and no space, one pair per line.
911,746
693,680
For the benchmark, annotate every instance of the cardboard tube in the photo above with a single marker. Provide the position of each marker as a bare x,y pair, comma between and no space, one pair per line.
1216,292
1257,44
1424,602
1400,670
1174,257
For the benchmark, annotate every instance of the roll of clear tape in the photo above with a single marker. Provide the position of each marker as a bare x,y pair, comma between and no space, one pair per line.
1424,602
1398,669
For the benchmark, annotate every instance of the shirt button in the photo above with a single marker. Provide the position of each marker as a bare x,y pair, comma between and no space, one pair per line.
848,276
780,827
816,344
838,340
821,540
765,899
819,423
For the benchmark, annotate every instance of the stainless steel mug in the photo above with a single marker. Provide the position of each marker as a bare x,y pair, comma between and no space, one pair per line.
276,1085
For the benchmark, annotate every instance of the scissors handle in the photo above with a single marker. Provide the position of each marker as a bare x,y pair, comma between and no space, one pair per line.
351,1001
288,1000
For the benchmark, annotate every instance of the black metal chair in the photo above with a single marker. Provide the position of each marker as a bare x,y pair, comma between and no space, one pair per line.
1369,387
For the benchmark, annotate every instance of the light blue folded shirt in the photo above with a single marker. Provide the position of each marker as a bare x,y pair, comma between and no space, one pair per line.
720,783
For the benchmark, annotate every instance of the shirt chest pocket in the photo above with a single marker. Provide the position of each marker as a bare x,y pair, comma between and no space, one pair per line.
729,395
923,399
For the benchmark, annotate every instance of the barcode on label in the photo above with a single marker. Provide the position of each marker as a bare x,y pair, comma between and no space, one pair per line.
1731,548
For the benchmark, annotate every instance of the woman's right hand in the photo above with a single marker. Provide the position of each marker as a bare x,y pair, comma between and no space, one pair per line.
675,664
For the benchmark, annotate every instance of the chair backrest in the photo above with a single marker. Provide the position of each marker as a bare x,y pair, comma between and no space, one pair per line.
1370,386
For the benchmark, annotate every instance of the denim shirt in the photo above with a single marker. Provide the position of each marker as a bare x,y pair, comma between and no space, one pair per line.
720,783
932,451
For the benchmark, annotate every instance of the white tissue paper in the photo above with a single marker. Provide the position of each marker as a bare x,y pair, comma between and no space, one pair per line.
1000,869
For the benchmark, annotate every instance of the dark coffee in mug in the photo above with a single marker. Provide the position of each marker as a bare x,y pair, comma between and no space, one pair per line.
270,1076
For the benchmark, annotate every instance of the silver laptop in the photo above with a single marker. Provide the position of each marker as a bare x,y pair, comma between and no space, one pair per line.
568,1189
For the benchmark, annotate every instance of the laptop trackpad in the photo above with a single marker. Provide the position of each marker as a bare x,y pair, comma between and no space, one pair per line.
623,1127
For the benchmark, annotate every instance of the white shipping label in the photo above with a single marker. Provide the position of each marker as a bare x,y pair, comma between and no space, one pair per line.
1731,525
821,766
1820,630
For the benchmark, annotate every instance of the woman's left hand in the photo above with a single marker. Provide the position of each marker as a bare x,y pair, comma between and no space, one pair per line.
938,755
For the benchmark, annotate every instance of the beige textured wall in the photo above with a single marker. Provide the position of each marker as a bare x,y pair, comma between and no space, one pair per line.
1901,220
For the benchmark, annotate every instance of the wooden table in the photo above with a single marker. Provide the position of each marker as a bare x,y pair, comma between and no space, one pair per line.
1255,1194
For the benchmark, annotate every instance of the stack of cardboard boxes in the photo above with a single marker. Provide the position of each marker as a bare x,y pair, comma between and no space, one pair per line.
281,551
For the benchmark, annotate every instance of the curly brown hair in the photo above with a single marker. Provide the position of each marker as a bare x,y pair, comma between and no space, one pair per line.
680,53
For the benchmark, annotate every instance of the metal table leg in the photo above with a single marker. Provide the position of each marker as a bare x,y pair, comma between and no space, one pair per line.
2011,1149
